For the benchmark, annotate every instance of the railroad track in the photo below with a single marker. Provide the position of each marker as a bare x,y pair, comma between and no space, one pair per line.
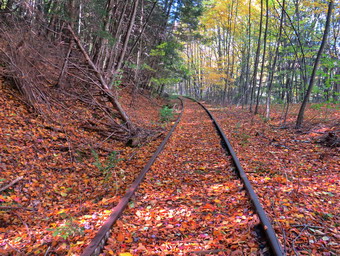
195,200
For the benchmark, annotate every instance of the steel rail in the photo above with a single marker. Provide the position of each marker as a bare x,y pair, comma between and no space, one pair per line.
268,229
98,242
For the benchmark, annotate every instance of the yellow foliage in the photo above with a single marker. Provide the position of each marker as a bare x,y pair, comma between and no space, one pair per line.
125,254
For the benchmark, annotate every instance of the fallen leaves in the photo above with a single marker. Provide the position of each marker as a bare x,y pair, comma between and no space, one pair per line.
124,254
190,201
297,186
62,192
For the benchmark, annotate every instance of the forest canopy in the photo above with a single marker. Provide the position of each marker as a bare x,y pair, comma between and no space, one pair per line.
259,52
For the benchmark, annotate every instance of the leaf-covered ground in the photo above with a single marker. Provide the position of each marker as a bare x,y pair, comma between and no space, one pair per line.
191,201
66,192
296,178
190,195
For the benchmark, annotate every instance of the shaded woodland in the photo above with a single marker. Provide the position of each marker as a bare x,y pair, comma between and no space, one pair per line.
88,51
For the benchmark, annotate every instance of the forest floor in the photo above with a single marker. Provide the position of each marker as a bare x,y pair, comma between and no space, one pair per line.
64,192
191,201
296,178
68,178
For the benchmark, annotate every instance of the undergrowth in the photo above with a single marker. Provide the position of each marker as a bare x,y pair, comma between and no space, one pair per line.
166,114
106,166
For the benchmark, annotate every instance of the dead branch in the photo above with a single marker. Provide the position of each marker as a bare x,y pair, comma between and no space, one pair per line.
104,85
10,208
106,132
308,226
64,68
15,249
24,68
11,183
296,238
26,226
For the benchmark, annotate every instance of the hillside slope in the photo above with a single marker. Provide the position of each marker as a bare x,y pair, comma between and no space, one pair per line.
71,176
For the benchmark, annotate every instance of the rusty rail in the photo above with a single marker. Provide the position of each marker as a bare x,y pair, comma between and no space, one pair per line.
268,229
98,242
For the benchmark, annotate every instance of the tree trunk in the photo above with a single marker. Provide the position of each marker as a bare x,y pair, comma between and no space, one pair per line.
263,59
248,58
300,117
64,68
272,69
257,56
142,29
126,39
112,58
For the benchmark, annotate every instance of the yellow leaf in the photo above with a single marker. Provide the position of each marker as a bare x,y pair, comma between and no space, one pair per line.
63,194
125,254
129,239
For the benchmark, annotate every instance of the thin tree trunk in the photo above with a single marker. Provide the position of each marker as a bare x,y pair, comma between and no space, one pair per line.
300,117
113,53
272,69
142,30
302,62
101,53
126,40
246,86
263,59
64,68
257,56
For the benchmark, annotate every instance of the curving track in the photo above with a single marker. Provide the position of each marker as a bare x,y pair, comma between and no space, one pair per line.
191,202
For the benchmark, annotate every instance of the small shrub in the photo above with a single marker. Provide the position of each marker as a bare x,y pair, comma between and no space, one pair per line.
243,138
264,119
173,97
68,229
106,167
166,114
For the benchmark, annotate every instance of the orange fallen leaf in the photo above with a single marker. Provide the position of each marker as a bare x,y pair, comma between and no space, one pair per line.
129,239
120,237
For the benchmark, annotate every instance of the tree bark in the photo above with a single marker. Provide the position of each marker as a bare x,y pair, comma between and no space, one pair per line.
263,59
300,117
257,56
142,29
245,102
112,58
272,69
127,37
